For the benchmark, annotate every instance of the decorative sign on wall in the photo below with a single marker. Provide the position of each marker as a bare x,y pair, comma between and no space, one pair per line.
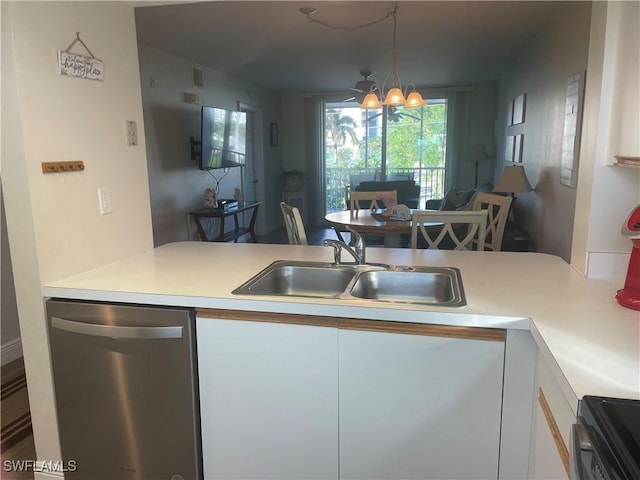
82,66
572,128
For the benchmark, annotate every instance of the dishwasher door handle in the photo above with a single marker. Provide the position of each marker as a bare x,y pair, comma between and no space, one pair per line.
114,331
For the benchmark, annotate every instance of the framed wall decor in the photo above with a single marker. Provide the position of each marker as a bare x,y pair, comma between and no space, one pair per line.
518,145
273,134
572,129
510,113
508,148
519,108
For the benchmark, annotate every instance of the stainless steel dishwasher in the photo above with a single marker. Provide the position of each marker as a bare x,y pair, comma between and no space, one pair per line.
125,380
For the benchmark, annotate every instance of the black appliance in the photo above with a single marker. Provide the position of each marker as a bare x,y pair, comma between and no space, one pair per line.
606,439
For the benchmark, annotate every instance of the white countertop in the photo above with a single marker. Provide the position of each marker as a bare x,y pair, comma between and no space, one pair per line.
575,321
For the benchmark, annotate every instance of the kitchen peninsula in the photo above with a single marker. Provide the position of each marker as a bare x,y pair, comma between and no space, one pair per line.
562,333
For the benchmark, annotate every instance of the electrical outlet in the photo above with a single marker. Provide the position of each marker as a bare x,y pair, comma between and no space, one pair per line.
104,200
132,132
152,81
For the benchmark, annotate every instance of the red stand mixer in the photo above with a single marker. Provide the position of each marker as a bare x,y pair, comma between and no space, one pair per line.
629,296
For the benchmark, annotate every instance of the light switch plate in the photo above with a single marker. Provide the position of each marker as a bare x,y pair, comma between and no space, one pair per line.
132,132
104,200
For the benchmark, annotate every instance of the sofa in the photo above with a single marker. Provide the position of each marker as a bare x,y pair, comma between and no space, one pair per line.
408,191
458,199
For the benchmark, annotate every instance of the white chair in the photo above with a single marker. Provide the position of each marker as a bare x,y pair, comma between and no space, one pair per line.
497,207
438,226
372,198
293,222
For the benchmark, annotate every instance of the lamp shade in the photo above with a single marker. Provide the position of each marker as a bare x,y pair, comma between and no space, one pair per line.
371,101
394,97
415,100
514,179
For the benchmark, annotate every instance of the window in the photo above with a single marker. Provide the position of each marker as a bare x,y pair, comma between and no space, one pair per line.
386,144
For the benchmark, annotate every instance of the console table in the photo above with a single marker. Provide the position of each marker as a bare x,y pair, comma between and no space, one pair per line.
222,214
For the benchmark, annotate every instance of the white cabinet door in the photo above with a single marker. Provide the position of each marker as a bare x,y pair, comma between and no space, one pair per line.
419,407
547,463
269,400
554,416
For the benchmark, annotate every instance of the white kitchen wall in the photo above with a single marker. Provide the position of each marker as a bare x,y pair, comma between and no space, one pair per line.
10,343
176,184
541,72
54,226
607,194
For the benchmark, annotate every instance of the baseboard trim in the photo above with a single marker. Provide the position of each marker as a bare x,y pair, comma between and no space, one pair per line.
10,351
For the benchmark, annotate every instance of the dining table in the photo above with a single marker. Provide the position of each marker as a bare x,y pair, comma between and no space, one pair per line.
372,222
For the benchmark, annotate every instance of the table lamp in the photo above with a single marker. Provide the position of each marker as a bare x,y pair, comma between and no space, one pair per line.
513,180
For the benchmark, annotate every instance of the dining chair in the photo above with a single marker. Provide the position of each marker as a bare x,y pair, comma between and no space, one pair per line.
497,207
374,200
355,197
436,227
293,222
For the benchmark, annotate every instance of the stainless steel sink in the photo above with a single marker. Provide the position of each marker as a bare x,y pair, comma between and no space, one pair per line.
437,286
300,279
424,285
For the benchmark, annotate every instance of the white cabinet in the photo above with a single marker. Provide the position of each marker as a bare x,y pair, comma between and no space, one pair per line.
417,407
268,396
286,396
554,416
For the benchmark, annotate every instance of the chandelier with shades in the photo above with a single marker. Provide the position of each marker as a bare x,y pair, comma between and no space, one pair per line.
395,96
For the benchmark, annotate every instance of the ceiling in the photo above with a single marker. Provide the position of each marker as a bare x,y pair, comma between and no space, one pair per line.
447,43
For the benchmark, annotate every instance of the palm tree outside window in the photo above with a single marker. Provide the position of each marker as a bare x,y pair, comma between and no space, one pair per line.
389,143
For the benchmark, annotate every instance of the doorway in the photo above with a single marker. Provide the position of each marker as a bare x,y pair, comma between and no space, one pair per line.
252,175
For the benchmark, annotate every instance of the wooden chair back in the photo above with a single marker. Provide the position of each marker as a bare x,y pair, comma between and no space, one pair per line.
294,225
440,225
355,197
497,207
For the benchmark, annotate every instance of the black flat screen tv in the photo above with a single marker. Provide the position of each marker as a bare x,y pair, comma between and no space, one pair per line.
223,137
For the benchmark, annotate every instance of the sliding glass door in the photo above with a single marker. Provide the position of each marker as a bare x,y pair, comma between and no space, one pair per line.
385,144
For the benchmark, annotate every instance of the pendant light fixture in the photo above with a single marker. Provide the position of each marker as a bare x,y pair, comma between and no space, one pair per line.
395,96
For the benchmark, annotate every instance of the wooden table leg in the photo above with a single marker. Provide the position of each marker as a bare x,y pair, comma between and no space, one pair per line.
201,232
237,226
393,240
252,224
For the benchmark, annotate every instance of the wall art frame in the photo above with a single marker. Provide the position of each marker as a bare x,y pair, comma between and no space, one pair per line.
509,148
572,130
518,147
519,109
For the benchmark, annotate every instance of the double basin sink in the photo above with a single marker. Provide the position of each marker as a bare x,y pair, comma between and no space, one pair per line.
436,286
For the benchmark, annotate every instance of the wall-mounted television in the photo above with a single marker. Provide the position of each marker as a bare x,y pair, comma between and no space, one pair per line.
223,138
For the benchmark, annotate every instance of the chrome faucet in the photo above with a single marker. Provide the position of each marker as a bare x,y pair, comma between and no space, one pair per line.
356,248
